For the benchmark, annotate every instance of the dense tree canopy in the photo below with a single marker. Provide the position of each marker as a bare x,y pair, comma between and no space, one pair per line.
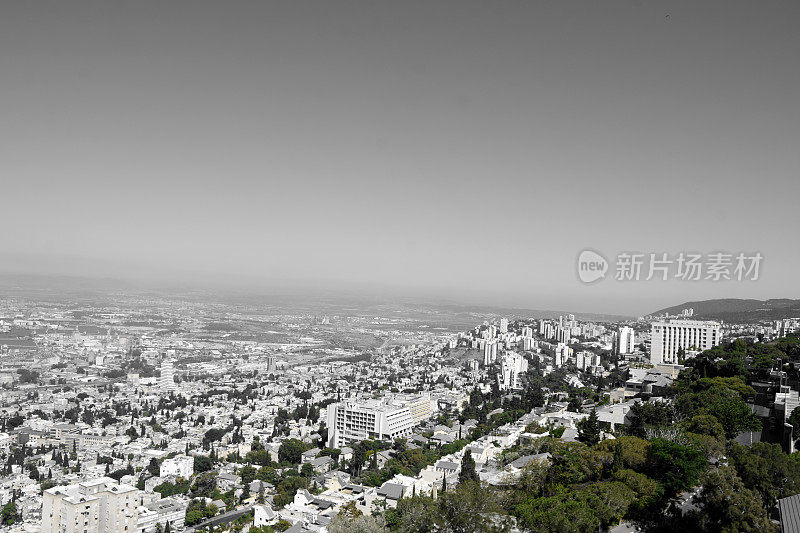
291,451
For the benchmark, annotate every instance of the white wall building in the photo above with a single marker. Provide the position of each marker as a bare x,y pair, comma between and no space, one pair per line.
420,407
563,335
180,466
511,368
489,353
561,355
586,360
353,421
97,506
528,344
669,337
546,330
167,381
263,515
167,510
626,340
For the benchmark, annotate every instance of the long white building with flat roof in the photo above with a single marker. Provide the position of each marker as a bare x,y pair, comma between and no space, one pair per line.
667,338
352,421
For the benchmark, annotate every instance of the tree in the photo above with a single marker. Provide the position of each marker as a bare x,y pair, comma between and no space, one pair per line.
400,444
282,525
349,511
649,493
727,505
556,513
197,511
531,479
764,467
359,457
373,460
574,405
589,429
677,467
732,412
204,484
630,452
467,472
9,514
470,509
248,474
415,515
202,463
153,467
291,450
194,516
649,414
706,425
719,396
794,420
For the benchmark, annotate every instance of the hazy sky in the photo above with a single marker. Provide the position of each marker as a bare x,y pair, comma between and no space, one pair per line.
469,149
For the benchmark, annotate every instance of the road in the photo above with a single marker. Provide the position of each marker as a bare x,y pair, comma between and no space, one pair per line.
225,518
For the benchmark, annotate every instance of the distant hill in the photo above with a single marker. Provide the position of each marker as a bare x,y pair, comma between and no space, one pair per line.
737,310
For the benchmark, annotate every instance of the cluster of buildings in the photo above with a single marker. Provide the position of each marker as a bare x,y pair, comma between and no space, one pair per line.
94,407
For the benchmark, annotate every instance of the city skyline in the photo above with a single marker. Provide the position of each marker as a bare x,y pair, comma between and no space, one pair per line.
264,418
396,267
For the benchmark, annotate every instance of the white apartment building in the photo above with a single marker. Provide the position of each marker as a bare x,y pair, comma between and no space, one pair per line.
167,510
786,401
528,344
563,335
489,353
669,337
626,340
511,369
97,506
353,421
83,441
561,354
167,380
180,466
586,360
420,407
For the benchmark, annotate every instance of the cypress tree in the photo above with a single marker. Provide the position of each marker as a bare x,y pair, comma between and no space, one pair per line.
467,472
589,429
